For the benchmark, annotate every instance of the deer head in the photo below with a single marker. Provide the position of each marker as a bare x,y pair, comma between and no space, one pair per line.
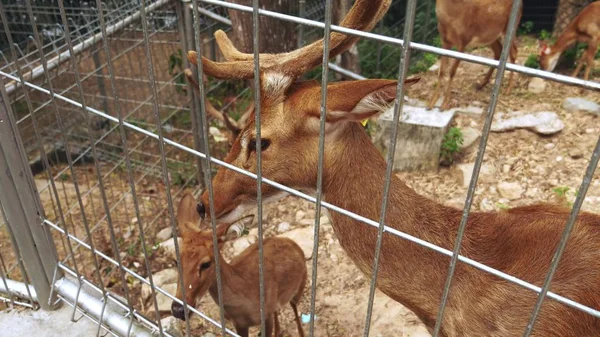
290,114
548,58
197,253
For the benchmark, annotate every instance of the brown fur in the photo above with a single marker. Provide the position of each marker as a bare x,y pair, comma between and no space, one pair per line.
584,28
467,24
283,266
520,241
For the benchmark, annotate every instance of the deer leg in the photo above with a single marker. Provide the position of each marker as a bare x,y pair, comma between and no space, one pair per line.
496,47
297,318
513,58
446,103
277,327
589,59
269,326
438,85
242,331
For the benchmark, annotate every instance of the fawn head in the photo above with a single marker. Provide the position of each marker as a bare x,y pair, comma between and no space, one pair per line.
197,253
290,114
548,58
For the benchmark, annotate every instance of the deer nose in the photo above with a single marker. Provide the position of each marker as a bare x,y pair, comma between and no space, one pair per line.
201,210
177,310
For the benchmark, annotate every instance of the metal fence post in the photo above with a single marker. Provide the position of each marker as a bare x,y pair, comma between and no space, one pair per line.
23,208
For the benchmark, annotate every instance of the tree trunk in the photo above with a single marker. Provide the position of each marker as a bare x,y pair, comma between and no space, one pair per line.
349,59
565,13
276,36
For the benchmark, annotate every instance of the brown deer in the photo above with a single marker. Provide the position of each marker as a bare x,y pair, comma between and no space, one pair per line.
584,28
233,126
520,241
467,24
284,272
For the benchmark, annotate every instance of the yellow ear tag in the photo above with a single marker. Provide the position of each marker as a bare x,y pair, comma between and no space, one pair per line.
364,123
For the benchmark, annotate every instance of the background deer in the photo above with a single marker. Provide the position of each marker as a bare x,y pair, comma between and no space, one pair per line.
584,28
519,241
284,269
467,24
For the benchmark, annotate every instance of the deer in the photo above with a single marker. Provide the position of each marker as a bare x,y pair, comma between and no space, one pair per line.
520,241
284,268
233,127
467,24
584,28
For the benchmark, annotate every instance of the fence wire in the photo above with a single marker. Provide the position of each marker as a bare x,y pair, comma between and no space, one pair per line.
68,116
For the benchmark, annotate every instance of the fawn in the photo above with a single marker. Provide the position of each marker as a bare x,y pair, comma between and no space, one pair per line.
284,272
520,241
466,24
584,28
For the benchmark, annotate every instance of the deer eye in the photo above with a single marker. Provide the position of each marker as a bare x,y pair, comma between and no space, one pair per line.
264,144
204,265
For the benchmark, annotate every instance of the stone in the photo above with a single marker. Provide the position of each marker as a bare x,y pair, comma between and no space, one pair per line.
169,247
161,278
283,227
470,136
580,104
486,205
470,111
434,67
164,234
464,172
420,136
536,85
307,222
164,302
300,215
171,325
543,122
510,190
209,334
304,237
240,244
575,153
506,168
216,134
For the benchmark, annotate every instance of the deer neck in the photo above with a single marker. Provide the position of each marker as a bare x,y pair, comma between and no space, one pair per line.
354,180
564,41
232,284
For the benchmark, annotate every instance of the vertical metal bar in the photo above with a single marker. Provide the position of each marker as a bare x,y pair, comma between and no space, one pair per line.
508,40
259,213
585,183
398,104
100,79
301,14
207,163
22,206
319,192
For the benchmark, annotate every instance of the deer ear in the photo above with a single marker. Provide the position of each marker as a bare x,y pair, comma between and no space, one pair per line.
359,100
187,216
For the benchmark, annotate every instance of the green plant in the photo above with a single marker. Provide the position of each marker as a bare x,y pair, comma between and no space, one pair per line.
561,191
502,205
453,139
176,71
532,61
64,177
424,63
545,35
526,28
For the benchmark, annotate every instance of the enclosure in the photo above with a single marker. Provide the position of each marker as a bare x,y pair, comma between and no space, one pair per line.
101,134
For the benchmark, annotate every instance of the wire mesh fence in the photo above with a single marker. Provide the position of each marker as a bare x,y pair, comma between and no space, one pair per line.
113,135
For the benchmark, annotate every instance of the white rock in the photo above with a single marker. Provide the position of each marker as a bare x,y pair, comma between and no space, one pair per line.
171,325
300,215
575,153
577,103
304,237
549,146
470,136
510,190
435,67
536,85
164,234
464,172
164,302
239,245
161,278
169,247
486,205
506,168
283,227
543,122
209,334
217,135
307,222
471,111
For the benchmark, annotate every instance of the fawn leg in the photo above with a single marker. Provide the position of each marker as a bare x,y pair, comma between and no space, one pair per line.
590,53
277,327
446,103
297,318
496,47
438,83
513,58
269,326
242,331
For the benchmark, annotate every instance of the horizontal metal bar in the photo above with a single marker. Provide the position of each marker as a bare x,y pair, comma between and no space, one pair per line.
417,46
18,289
93,306
77,49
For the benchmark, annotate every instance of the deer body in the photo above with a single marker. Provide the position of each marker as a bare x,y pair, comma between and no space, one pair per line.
584,28
520,241
284,268
467,24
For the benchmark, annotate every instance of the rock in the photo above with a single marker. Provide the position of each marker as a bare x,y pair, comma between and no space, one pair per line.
464,172
471,111
169,247
164,302
240,244
549,146
536,85
300,215
486,205
171,325
434,67
575,153
217,135
209,334
164,234
420,135
510,190
161,278
581,104
307,222
283,227
304,237
506,168
470,136
543,122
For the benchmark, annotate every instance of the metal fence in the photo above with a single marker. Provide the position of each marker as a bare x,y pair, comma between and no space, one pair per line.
92,105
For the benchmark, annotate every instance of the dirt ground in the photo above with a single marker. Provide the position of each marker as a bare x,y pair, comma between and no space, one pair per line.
547,168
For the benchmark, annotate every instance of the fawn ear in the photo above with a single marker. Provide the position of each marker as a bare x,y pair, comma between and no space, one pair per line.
359,100
187,216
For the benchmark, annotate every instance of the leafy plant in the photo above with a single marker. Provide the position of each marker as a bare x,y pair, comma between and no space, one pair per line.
526,28
453,139
545,35
176,71
502,206
532,61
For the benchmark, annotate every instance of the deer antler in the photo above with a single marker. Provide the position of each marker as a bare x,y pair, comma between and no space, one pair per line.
363,15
